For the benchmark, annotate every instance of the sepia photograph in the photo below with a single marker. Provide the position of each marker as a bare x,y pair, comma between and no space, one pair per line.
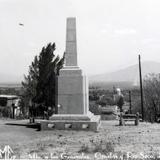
80,79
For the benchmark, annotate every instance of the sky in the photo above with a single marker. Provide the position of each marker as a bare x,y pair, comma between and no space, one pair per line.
110,33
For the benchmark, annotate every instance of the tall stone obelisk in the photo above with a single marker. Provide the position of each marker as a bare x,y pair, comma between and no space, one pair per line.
72,85
71,43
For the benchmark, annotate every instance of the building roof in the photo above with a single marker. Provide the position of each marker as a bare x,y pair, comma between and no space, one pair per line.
9,96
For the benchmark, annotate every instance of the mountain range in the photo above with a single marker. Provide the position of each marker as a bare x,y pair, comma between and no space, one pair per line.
129,74
126,76
10,78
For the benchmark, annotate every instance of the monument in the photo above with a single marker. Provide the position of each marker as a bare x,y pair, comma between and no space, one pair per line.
73,110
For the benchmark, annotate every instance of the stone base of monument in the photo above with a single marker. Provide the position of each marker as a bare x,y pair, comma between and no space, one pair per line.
71,122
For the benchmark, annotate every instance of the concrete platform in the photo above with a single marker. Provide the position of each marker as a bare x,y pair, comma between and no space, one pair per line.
70,117
71,122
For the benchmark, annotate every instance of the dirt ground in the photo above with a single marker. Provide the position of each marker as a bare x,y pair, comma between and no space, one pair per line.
131,140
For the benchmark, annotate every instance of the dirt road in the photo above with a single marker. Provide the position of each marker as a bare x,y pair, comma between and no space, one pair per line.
24,141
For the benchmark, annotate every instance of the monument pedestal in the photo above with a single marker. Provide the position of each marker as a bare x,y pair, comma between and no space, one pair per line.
73,111
71,122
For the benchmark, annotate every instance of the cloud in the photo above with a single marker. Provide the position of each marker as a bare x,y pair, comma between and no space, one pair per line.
125,31
32,44
103,31
147,41
107,29
110,29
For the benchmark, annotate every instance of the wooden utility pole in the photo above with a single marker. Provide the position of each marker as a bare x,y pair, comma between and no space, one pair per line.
141,87
130,103
56,95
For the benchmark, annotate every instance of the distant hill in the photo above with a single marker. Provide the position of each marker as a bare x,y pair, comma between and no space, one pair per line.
10,85
10,79
126,77
129,75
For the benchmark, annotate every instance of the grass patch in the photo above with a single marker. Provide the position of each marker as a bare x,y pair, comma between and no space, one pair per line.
97,145
84,149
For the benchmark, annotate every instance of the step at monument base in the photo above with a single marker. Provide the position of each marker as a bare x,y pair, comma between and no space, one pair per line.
73,123
70,117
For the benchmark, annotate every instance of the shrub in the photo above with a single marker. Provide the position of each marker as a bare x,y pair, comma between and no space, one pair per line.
84,148
98,145
103,147
5,112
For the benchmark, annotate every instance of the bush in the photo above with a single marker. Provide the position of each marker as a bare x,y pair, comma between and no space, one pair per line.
98,145
152,97
103,147
94,108
5,112
84,149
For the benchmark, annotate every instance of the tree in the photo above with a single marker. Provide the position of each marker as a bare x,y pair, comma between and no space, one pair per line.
49,66
152,97
29,85
40,84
